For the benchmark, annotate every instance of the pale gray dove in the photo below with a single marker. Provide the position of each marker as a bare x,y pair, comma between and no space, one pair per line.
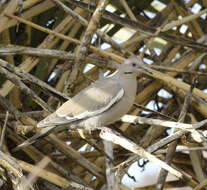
102,103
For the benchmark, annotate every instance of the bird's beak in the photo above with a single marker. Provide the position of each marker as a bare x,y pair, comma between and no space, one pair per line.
142,68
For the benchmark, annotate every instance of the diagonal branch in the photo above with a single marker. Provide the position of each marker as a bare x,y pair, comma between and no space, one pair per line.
82,50
13,78
117,138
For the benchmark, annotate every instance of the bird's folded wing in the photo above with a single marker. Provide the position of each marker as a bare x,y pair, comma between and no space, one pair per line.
94,100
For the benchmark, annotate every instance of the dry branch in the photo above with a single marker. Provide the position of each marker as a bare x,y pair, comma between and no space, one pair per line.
51,177
3,132
13,78
112,136
27,77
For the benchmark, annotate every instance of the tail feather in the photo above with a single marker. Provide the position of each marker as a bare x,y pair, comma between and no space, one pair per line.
43,133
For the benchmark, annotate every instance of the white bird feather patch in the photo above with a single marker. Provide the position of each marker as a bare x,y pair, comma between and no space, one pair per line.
103,109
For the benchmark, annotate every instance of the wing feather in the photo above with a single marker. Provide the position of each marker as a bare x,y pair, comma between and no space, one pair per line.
93,100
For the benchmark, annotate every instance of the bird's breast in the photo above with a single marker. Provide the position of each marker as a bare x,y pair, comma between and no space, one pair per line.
116,111
111,115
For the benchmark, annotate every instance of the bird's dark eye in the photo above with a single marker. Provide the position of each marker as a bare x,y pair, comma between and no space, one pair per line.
134,64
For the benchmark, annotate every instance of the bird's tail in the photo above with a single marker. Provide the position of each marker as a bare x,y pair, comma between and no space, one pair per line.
43,133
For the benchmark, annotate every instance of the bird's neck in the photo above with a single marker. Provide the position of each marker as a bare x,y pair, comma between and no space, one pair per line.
130,85
129,82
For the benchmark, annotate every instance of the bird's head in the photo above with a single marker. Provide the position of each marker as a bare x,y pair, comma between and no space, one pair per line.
133,66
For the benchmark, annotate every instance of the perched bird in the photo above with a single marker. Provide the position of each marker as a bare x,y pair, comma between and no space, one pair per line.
102,103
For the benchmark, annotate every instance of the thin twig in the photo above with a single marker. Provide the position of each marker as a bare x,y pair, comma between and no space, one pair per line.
179,22
29,181
153,111
4,130
51,53
178,149
110,175
159,122
170,69
128,10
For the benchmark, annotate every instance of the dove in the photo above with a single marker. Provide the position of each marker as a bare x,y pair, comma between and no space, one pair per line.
102,103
